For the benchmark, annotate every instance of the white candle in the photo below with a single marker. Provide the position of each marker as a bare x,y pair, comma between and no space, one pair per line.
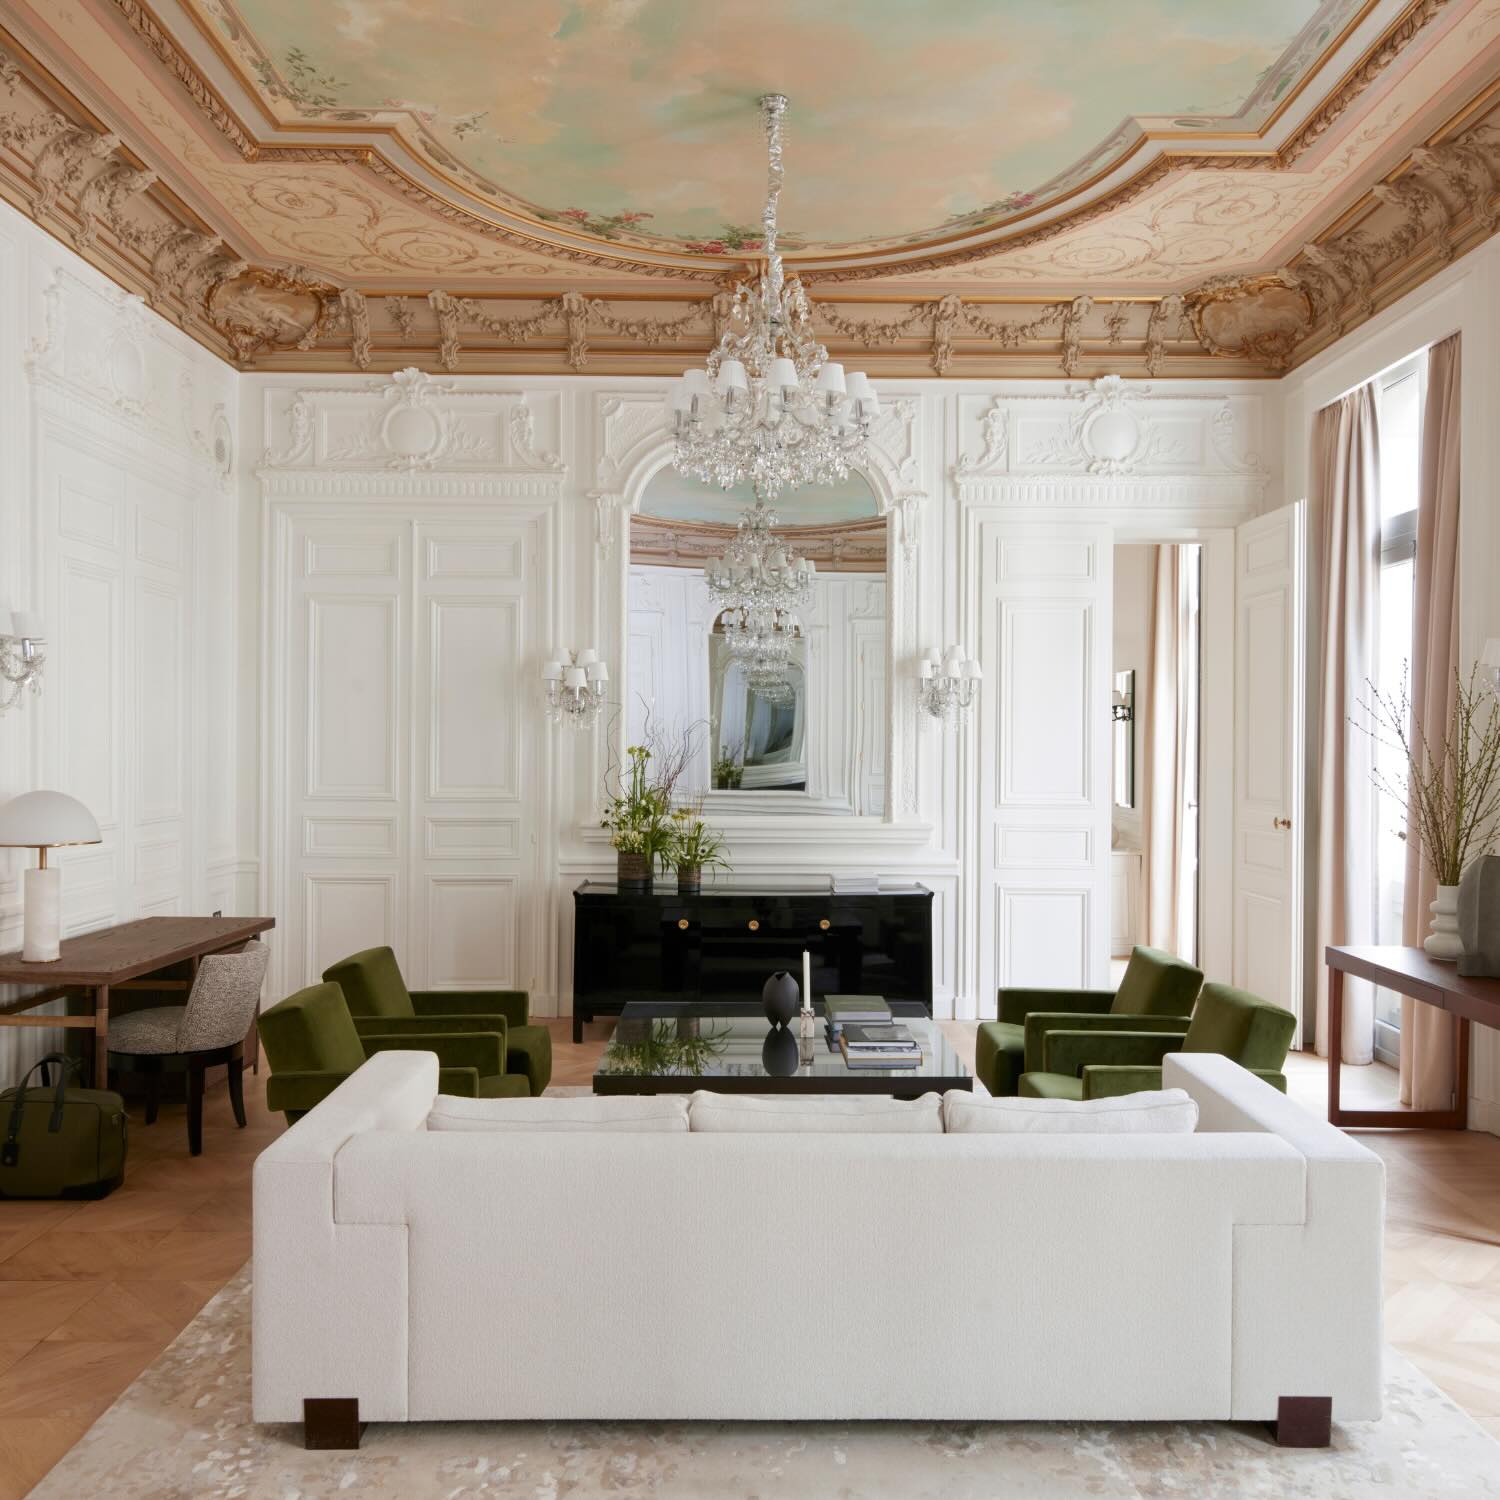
806,980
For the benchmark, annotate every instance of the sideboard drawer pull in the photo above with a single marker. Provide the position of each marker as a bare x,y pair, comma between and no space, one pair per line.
754,925
682,923
825,924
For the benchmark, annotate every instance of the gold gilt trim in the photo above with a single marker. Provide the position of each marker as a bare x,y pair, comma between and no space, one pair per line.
835,546
856,266
67,169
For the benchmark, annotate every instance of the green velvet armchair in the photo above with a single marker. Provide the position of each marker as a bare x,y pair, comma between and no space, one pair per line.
1156,994
381,1004
1096,1064
311,1043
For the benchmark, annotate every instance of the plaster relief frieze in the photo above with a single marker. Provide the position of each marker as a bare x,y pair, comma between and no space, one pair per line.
1108,429
409,424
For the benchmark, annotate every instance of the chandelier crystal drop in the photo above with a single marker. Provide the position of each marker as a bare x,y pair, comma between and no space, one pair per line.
770,408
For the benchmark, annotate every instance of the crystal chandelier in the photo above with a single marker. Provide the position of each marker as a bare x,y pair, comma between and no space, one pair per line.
770,407
758,587
947,685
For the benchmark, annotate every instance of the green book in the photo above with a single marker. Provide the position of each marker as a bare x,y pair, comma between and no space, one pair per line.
841,1010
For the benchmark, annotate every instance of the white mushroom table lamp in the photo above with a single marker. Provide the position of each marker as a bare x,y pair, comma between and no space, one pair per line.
43,821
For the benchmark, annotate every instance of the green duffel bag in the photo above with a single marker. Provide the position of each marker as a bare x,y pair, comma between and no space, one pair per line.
60,1142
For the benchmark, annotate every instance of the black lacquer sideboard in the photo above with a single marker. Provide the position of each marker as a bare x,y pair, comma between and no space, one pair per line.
721,945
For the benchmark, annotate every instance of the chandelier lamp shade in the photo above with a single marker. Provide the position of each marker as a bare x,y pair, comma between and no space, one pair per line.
577,685
44,820
948,684
770,408
21,657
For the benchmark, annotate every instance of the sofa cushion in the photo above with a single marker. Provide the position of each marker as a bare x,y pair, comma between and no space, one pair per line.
629,1113
1163,1111
816,1114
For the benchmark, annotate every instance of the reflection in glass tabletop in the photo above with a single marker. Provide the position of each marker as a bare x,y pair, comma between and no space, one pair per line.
662,1047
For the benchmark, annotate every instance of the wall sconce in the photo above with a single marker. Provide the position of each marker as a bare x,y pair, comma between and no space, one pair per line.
1489,664
947,684
576,687
21,658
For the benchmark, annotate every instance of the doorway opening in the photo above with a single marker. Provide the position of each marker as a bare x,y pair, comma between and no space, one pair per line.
1155,830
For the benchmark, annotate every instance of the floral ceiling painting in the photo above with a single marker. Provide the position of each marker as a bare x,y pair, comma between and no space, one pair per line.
634,121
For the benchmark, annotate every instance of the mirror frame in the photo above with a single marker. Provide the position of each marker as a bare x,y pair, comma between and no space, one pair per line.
897,500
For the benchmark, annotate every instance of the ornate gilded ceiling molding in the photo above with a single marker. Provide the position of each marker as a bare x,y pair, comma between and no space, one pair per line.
835,546
76,177
1384,51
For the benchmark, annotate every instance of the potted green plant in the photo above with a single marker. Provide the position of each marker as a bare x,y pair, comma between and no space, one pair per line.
729,769
695,847
639,819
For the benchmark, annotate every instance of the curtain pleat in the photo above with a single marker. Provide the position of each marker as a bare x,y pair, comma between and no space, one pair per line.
1345,470
1427,1080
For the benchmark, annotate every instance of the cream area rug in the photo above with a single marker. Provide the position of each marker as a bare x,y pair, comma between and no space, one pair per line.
183,1429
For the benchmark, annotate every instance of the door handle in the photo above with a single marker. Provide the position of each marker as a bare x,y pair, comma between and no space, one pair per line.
1281,823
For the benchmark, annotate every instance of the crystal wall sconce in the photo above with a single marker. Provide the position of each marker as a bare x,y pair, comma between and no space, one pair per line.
577,684
21,658
947,684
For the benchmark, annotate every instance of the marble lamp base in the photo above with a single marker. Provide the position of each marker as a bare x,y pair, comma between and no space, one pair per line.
41,931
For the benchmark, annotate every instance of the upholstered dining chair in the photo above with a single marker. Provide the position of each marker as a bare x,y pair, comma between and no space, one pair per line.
210,1029
1096,1064
1156,993
381,1005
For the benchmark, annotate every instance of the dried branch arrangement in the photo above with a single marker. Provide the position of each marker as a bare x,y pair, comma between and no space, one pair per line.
1452,791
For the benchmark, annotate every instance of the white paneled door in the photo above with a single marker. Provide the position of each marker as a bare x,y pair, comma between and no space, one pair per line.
1270,629
410,800
1044,597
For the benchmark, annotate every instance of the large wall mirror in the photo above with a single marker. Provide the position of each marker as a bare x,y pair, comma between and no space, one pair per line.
787,705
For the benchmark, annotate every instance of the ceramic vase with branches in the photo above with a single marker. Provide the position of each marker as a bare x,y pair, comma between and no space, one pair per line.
1452,791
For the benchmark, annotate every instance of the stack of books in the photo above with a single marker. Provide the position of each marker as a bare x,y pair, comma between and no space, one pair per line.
861,1010
879,1046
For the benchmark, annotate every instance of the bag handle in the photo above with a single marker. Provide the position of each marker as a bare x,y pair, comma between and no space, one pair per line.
10,1152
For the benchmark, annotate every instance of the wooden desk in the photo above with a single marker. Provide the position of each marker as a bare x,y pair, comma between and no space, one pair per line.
94,963
1409,971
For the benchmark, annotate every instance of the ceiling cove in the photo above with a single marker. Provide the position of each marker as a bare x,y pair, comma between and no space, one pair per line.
980,187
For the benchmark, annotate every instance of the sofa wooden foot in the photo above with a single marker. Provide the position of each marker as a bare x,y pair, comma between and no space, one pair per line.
331,1422
1303,1421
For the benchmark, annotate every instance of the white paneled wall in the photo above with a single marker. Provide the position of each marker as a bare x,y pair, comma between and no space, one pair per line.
426,543
408,778
117,524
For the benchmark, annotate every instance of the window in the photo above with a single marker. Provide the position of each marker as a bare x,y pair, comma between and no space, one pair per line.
1400,393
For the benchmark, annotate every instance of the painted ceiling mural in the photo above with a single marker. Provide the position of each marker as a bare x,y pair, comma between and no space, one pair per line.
634,121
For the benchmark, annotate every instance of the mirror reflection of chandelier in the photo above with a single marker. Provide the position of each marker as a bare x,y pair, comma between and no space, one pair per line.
758,586
770,407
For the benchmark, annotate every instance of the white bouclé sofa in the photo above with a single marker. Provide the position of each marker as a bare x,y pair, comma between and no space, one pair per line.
454,1274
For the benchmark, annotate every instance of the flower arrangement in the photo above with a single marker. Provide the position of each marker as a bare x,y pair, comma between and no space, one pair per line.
639,819
729,769
695,846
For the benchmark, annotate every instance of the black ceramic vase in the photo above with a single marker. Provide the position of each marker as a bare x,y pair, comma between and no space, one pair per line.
782,998
779,1054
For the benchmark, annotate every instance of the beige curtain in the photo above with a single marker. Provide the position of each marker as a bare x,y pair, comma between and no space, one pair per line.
1345,472
1427,1080
1168,744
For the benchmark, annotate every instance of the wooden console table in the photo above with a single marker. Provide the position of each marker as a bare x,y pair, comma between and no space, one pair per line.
1409,971
113,958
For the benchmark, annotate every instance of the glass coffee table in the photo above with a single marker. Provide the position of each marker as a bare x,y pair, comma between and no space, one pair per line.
674,1048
